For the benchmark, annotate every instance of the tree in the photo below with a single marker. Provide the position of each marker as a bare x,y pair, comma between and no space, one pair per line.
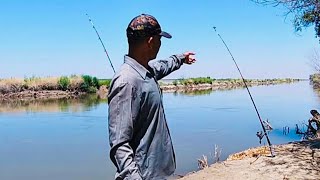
306,12
315,61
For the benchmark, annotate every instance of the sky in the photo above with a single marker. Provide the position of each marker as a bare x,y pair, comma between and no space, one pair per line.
54,38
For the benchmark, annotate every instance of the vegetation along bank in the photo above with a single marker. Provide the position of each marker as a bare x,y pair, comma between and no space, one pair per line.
75,86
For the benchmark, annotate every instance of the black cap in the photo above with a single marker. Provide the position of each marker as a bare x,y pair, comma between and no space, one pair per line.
145,25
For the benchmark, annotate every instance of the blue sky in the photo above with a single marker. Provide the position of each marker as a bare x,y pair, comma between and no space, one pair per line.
54,38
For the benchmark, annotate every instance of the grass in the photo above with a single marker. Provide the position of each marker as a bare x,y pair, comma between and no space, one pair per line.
194,81
90,84
209,80
84,83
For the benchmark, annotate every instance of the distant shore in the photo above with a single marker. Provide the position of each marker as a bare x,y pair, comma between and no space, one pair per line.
220,84
76,86
73,86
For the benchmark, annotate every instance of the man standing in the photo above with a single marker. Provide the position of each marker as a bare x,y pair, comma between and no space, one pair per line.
141,146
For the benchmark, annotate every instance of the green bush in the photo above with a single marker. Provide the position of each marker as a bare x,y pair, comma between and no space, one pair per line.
64,82
92,89
105,82
202,80
90,84
194,81
87,80
95,82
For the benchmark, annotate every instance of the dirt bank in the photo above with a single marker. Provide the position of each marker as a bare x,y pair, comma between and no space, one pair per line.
50,94
297,160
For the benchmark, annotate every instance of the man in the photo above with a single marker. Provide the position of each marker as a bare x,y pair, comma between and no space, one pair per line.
316,120
140,141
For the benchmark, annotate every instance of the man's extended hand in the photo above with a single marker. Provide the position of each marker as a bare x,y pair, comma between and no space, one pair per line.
189,57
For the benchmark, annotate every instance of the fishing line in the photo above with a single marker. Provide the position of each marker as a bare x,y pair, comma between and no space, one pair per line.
105,50
245,84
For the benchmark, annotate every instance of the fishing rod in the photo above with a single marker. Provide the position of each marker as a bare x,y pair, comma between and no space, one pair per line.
245,84
105,50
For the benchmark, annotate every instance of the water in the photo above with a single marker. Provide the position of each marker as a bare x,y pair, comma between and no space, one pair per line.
68,139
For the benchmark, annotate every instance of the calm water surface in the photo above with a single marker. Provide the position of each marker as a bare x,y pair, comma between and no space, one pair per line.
68,139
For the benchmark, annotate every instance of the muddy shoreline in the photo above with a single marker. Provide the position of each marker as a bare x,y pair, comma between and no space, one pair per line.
48,94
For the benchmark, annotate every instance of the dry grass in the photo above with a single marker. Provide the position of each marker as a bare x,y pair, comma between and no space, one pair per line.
11,85
38,84
253,152
14,85
217,153
203,162
75,82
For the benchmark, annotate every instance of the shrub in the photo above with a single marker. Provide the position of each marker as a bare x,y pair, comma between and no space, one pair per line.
87,80
92,89
95,82
105,82
195,81
89,84
64,83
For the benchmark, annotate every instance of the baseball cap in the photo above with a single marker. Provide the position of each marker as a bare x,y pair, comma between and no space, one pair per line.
145,25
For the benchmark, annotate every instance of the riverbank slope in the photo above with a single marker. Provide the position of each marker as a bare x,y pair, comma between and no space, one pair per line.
296,160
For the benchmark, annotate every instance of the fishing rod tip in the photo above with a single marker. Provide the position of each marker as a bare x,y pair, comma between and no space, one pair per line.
215,28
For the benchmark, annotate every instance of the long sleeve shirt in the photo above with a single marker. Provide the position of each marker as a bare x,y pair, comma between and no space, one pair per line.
141,146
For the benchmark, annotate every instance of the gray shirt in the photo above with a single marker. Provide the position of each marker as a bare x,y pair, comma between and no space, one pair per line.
141,146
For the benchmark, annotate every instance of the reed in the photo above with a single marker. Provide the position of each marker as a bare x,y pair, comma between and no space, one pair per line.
83,83
194,81
229,81
11,85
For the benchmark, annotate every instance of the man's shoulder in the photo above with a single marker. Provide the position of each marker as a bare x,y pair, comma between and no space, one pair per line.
126,75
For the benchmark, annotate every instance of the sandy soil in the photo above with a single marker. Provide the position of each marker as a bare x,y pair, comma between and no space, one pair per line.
297,160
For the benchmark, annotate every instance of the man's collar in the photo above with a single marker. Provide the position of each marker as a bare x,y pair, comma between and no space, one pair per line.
136,66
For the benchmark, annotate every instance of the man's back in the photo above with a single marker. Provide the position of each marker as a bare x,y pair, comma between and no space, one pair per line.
136,117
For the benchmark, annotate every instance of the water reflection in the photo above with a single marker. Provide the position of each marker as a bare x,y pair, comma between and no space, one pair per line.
84,103
316,91
201,91
192,92
206,89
